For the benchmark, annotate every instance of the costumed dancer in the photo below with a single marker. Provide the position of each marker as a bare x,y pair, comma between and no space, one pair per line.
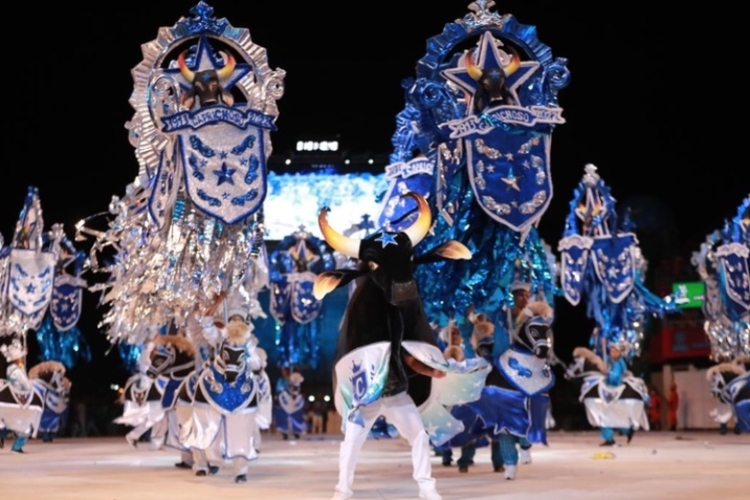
27,274
294,263
21,403
203,330
602,263
49,377
226,396
722,264
289,415
141,398
387,361
515,401
486,174
173,361
264,415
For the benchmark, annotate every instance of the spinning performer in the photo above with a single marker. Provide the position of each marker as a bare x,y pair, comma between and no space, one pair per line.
385,327
601,262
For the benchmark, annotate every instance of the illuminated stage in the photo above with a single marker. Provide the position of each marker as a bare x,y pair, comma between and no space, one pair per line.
691,465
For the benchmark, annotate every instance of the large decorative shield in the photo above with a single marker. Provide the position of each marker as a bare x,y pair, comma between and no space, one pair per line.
735,278
31,276
507,141
280,298
574,254
614,263
224,163
65,306
510,175
412,176
305,307
361,374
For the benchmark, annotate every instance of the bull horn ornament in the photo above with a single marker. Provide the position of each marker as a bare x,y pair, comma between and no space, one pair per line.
229,65
475,72
186,72
225,72
350,246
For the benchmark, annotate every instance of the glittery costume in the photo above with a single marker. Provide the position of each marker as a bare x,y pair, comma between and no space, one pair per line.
49,378
289,414
142,407
226,398
21,403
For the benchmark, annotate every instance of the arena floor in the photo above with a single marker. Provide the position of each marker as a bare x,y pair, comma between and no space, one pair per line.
656,465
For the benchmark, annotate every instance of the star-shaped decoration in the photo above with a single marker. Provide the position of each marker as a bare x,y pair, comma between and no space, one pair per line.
223,155
302,254
490,57
30,288
205,58
225,195
511,181
431,429
225,174
244,162
386,239
509,156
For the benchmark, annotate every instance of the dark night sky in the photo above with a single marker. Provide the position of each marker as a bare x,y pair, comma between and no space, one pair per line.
642,104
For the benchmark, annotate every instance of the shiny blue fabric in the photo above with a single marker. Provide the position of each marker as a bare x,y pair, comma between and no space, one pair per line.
289,423
742,412
170,392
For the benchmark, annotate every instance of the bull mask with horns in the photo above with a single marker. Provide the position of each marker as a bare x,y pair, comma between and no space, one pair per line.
386,305
386,257
207,84
491,82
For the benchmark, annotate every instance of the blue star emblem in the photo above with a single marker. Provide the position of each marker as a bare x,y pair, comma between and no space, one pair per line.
223,155
30,288
490,58
204,58
225,174
386,239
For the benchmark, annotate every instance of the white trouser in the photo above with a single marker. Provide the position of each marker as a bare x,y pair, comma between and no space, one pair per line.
139,430
400,411
159,433
199,460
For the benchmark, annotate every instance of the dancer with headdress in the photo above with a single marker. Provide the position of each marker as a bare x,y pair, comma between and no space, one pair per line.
485,173
226,395
289,414
602,264
191,224
49,377
27,274
722,264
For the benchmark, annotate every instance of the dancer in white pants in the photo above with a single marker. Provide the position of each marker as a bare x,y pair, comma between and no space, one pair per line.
400,411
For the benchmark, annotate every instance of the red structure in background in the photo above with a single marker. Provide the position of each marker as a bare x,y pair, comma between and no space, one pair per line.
681,336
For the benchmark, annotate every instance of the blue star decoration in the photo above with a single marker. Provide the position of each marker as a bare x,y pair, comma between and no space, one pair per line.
203,59
225,175
489,58
386,239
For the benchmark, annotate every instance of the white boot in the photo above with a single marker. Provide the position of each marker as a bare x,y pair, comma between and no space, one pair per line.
524,456
430,495
510,472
